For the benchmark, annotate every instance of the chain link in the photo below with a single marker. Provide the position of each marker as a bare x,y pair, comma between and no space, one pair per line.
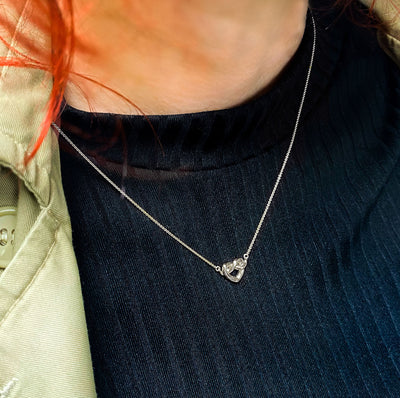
165,229
285,160
122,192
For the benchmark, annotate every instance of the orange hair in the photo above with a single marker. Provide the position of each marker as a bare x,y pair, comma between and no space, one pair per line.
55,19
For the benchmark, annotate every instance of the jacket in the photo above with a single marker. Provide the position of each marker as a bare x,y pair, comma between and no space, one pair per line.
44,346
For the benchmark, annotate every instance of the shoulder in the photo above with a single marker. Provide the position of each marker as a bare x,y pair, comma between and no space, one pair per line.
388,11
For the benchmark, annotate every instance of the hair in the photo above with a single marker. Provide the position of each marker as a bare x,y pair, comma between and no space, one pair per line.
55,20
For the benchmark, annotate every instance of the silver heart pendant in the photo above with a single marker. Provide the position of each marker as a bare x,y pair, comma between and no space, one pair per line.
234,270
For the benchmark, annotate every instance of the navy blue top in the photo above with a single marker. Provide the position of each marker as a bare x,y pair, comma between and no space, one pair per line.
317,312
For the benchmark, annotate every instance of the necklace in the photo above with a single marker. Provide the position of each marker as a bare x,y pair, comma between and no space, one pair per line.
232,270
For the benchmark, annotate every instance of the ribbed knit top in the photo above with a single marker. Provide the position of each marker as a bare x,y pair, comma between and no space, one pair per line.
317,312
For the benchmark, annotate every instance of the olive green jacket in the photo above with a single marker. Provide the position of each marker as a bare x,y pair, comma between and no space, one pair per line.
44,347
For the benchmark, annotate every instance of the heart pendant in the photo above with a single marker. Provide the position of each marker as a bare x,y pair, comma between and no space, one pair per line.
234,270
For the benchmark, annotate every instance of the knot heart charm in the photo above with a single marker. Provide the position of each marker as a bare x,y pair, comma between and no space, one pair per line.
234,270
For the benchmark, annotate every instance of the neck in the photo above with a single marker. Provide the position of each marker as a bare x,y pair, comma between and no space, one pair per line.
182,56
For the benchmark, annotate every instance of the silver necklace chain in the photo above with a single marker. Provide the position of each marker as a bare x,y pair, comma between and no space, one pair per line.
233,270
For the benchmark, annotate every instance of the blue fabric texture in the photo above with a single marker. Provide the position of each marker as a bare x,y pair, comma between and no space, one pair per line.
317,312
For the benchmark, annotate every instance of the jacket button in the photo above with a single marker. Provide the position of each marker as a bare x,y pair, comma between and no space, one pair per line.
3,236
8,222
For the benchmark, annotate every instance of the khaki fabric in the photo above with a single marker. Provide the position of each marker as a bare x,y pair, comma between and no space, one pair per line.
388,12
391,45
44,347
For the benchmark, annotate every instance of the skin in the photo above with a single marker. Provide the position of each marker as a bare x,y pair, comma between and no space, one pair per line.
180,56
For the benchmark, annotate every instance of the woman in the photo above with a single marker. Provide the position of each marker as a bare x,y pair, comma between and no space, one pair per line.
253,108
